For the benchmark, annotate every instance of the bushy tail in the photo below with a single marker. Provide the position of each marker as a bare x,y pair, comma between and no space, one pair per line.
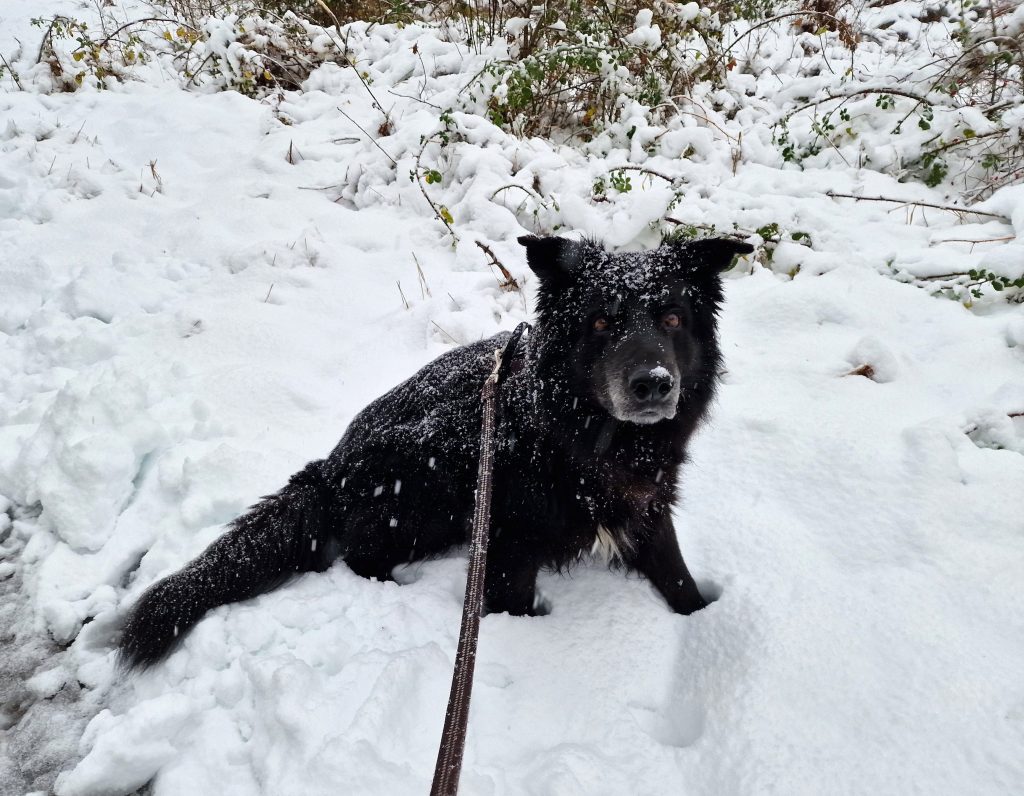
292,531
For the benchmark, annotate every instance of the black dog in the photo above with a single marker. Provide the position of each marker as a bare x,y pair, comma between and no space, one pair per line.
594,422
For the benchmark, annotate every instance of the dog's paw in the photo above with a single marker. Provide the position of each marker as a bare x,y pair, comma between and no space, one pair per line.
710,591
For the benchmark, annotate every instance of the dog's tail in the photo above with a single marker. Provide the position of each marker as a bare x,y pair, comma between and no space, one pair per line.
295,530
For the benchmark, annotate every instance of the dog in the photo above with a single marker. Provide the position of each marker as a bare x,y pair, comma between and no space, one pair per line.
594,420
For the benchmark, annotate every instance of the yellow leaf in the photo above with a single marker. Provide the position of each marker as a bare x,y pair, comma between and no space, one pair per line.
167,35
78,56
267,76
446,215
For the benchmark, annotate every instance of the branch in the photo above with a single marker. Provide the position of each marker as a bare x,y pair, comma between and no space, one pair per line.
883,90
141,21
419,181
951,208
510,282
14,75
976,240
520,187
645,170
959,141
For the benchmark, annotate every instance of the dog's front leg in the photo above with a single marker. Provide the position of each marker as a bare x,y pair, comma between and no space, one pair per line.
658,558
511,579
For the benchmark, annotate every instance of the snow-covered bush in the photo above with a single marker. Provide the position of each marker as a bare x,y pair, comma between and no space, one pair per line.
955,121
649,92
575,66
242,46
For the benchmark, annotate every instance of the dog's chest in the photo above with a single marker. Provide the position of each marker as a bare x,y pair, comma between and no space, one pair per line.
612,504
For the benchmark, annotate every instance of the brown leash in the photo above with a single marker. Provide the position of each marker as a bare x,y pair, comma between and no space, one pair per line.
456,720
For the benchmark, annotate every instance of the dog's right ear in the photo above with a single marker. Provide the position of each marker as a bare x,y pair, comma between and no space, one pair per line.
718,254
554,260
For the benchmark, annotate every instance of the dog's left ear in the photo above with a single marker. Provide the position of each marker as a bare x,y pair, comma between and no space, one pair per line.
554,260
715,254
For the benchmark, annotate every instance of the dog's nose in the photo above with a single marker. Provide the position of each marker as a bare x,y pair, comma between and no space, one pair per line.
650,384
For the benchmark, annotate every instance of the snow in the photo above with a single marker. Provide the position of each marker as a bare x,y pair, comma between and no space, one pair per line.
176,339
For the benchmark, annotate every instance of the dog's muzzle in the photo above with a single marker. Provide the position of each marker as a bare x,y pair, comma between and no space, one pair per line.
646,395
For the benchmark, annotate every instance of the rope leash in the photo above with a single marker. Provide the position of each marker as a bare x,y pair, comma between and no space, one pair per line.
456,719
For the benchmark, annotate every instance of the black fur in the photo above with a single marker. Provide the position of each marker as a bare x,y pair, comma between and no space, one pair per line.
593,427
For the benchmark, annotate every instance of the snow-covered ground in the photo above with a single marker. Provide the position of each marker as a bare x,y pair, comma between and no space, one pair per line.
197,293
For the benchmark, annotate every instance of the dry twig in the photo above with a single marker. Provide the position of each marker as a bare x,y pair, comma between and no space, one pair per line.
951,208
510,282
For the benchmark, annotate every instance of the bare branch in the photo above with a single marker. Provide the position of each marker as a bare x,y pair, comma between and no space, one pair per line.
951,208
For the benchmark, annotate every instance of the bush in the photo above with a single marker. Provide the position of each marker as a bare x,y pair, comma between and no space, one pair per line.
958,121
574,64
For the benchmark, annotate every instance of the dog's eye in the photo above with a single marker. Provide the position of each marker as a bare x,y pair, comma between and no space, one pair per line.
672,320
601,324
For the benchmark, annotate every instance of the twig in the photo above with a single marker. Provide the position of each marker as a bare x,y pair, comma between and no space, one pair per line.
737,232
267,298
951,208
46,37
645,170
372,139
510,282
417,172
447,334
959,141
457,305
13,74
401,292
898,92
529,191
415,99
976,240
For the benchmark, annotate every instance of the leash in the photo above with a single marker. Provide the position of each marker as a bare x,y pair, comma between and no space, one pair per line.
456,719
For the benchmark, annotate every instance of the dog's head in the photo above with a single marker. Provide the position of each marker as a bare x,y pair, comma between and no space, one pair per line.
632,331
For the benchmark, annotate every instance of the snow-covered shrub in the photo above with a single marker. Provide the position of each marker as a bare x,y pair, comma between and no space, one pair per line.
956,122
74,52
573,66
241,46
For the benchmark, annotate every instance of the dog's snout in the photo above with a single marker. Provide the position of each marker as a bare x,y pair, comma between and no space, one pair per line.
650,384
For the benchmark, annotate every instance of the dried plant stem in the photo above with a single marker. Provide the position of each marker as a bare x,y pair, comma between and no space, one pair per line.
424,287
370,137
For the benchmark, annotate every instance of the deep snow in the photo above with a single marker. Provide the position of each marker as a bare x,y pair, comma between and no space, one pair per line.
177,338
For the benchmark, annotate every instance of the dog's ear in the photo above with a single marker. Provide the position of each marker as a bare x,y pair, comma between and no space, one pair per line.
715,254
554,260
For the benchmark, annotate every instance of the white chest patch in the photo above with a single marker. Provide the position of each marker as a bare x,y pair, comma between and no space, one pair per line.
609,545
